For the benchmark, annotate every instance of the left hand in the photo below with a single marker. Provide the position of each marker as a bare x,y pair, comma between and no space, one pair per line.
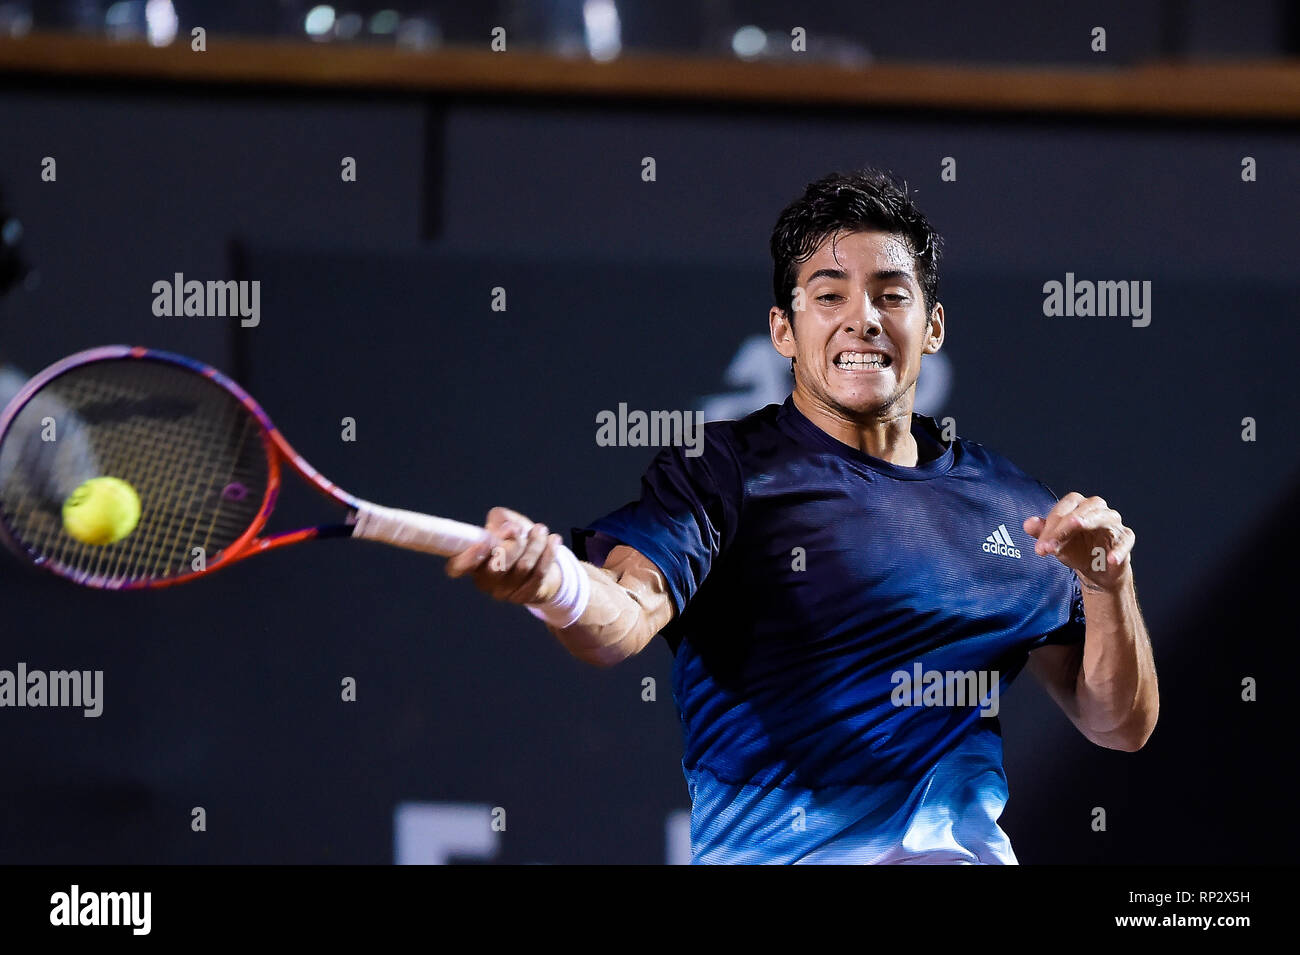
1085,534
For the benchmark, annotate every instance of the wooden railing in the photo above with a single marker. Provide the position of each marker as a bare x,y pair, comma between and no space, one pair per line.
1249,90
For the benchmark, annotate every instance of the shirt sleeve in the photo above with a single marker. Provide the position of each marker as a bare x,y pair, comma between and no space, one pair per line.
1072,631
685,517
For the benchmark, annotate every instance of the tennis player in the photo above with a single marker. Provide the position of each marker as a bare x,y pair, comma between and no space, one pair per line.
832,572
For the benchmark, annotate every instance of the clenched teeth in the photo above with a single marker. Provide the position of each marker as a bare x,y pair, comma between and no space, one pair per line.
858,360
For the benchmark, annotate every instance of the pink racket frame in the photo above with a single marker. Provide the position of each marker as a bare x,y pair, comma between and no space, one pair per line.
276,447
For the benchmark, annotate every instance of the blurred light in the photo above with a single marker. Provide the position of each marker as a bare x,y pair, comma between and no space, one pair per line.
749,41
385,21
160,16
348,25
319,22
418,33
124,20
601,25
15,19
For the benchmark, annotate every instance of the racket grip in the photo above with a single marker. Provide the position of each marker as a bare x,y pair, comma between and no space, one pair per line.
415,531
438,535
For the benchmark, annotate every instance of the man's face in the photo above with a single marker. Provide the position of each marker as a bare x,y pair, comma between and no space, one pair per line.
859,338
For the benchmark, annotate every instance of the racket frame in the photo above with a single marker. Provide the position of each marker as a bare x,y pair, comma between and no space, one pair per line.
274,445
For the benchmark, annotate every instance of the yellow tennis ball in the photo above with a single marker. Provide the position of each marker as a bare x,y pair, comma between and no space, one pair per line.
101,511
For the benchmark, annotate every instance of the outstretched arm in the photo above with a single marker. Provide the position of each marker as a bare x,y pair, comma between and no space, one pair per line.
629,601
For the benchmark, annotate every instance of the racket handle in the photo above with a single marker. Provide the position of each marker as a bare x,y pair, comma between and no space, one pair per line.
415,531
437,535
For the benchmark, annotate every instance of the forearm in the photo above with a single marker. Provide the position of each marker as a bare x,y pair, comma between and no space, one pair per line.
618,607
1116,691
621,617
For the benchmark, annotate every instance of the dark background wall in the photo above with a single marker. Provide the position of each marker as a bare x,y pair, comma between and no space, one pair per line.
376,305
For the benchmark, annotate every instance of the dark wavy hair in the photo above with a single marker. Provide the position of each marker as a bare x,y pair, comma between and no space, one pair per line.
868,200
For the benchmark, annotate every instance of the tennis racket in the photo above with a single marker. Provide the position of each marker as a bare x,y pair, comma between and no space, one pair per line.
201,454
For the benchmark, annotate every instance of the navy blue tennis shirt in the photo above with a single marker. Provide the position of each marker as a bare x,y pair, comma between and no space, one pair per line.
818,590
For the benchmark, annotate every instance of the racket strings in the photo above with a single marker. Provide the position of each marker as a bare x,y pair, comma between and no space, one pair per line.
191,450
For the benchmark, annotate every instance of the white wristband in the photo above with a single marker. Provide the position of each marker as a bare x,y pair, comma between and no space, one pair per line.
570,600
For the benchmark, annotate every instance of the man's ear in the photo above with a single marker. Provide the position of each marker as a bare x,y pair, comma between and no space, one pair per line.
935,328
782,330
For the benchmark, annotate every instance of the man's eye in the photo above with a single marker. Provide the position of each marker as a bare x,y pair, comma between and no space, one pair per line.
827,296
893,298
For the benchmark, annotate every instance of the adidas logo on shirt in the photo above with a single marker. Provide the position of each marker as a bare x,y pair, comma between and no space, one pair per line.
1000,542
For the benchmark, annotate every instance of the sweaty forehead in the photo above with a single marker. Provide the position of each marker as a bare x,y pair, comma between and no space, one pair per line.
860,251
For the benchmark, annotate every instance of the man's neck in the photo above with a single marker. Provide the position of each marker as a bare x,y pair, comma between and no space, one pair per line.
889,439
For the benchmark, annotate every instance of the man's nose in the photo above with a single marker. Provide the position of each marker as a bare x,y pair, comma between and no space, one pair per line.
864,318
